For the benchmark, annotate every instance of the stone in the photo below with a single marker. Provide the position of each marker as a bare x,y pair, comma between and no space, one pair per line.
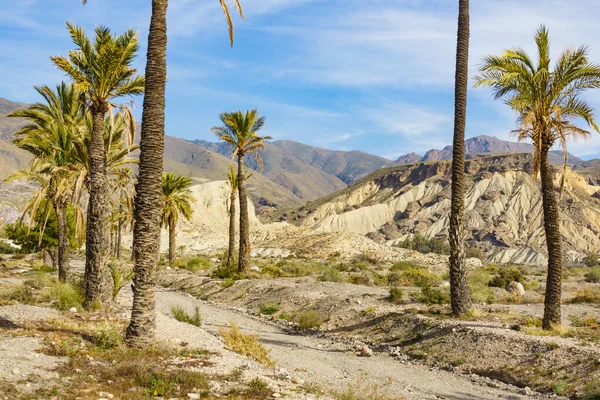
106,395
276,395
193,396
73,309
515,288
16,371
254,268
365,351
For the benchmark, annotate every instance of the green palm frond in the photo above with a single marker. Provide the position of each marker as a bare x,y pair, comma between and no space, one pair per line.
548,101
240,131
177,198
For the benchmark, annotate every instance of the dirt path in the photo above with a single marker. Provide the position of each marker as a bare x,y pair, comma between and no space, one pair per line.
329,365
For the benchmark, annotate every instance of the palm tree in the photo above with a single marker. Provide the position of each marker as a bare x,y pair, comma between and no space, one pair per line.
460,295
239,130
100,71
148,198
547,102
177,200
233,185
50,137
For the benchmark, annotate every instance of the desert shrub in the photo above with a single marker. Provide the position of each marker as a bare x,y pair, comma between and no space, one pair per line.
404,265
431,296
394,279
108,337
247,345
19,293
360,279
180,314
474,252
364,259
592,259
195,264
331,275
420,277
65,295
272,270
6,248
296,268
121,275
309,319
424,245
479,281
41,280
507,275
591,391
587,295
227,283
269,308
379,279
258,388
396,295
593,275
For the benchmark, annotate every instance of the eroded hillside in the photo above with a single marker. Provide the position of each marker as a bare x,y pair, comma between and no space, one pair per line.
503,208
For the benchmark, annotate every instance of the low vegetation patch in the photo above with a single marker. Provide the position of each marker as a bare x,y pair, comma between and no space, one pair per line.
506,275
424,245
431,296
593,275
309,319
180,314
18,293
269,308
247,345
587,295
194,264
396,295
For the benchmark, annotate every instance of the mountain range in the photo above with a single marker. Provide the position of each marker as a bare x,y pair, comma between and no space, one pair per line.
293,173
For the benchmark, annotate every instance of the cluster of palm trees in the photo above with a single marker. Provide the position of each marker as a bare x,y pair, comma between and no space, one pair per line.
547,100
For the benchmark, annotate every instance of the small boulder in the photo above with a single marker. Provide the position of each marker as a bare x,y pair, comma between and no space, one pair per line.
254,268
73,309
193,396
365,351
515,288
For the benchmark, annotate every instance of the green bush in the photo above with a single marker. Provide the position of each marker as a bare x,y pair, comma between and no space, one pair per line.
507,275
420,277
424,245
394,279
269,308
593,275
180,314
404,265
474,252
121,275
479,284
309,319
108,337
228,282
195,264
396,295
331,275
433,296
272,270
68,295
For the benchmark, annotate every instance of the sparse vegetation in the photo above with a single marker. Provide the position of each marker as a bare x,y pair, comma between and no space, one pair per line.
120,276
587,295
593,275
396,295
431,296
309,319
19,293
180,314
269,308
248,345
424,245
507,275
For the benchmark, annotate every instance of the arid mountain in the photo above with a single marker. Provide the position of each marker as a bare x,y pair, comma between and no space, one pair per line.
504,215
590,170
480,146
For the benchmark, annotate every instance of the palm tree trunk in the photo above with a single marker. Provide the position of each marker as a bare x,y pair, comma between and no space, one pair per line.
171,243
244,256
119,238
554,243
148,198
459,288
97,278
63,241
231,253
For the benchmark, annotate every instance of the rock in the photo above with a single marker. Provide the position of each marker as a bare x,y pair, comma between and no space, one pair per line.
444,285
474,262
254,268
276,395
193,396
73,309
515,288
168,268
297,381
106,395
365,351
16,371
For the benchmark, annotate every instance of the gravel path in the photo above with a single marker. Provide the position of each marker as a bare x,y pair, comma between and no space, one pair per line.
329,365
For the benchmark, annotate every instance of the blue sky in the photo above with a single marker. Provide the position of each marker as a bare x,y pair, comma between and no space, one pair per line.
373,75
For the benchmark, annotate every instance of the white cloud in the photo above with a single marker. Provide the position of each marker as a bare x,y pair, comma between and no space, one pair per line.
409,120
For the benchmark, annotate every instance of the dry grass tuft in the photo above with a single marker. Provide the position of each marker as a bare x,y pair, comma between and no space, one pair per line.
247,345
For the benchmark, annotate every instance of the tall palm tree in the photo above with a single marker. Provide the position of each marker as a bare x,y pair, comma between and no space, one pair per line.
460,295
177,200
547,102
148,198
233,186
239,130
50,137
101,71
